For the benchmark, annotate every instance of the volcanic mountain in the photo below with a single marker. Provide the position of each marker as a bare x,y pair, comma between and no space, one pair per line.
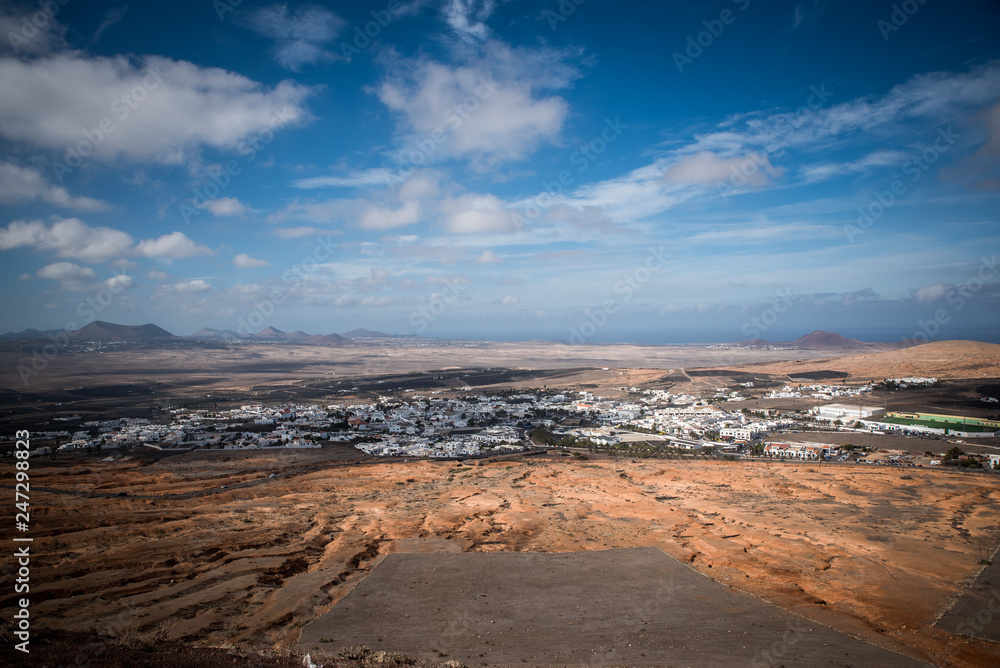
109,332
820,340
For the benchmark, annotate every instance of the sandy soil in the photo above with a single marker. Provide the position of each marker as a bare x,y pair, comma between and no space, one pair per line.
243,366
940,359
878,553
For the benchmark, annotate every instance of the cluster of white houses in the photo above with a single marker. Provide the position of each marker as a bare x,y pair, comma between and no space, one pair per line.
434,426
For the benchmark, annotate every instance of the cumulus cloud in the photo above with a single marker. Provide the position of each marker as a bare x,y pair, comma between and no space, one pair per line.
61,271
70,276
70,238
932,293
173,246
301,35
476,214
23,184
377,217
159,109
119,282
227,206
157,275
244,261
488,109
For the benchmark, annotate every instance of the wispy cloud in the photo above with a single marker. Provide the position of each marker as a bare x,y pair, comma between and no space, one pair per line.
301,35
468,17
111,17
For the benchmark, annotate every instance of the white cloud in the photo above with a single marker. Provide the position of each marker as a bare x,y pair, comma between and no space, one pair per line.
227,206
378,217
939,97
295,232
172,246
467,17
487,110
111,17
59,102
369,178
157,275
244,261
70,276
821,172
300,35
20,184
476,214
194,285
765,232
69,238
61,271
119,282
507,300
706,168
932,293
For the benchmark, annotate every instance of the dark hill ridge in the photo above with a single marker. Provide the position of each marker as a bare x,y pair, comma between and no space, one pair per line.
274,335
331,340
109,332
271,333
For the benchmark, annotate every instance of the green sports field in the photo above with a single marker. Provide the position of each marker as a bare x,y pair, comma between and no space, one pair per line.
938,424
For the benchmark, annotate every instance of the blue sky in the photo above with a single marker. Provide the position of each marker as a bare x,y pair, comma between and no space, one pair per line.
587,171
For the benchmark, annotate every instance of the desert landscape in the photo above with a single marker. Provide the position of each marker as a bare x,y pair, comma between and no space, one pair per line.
474,333
879,555
252,551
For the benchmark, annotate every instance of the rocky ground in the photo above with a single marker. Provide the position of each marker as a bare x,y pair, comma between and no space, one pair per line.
877,553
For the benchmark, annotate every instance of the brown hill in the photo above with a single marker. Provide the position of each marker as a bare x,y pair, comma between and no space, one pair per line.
820,340
940,359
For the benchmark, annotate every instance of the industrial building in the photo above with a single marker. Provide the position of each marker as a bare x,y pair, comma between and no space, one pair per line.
846,412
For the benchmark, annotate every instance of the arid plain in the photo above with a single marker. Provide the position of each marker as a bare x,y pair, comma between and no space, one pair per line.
880,554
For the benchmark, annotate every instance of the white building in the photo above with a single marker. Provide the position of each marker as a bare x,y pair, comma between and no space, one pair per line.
738,433
846,412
